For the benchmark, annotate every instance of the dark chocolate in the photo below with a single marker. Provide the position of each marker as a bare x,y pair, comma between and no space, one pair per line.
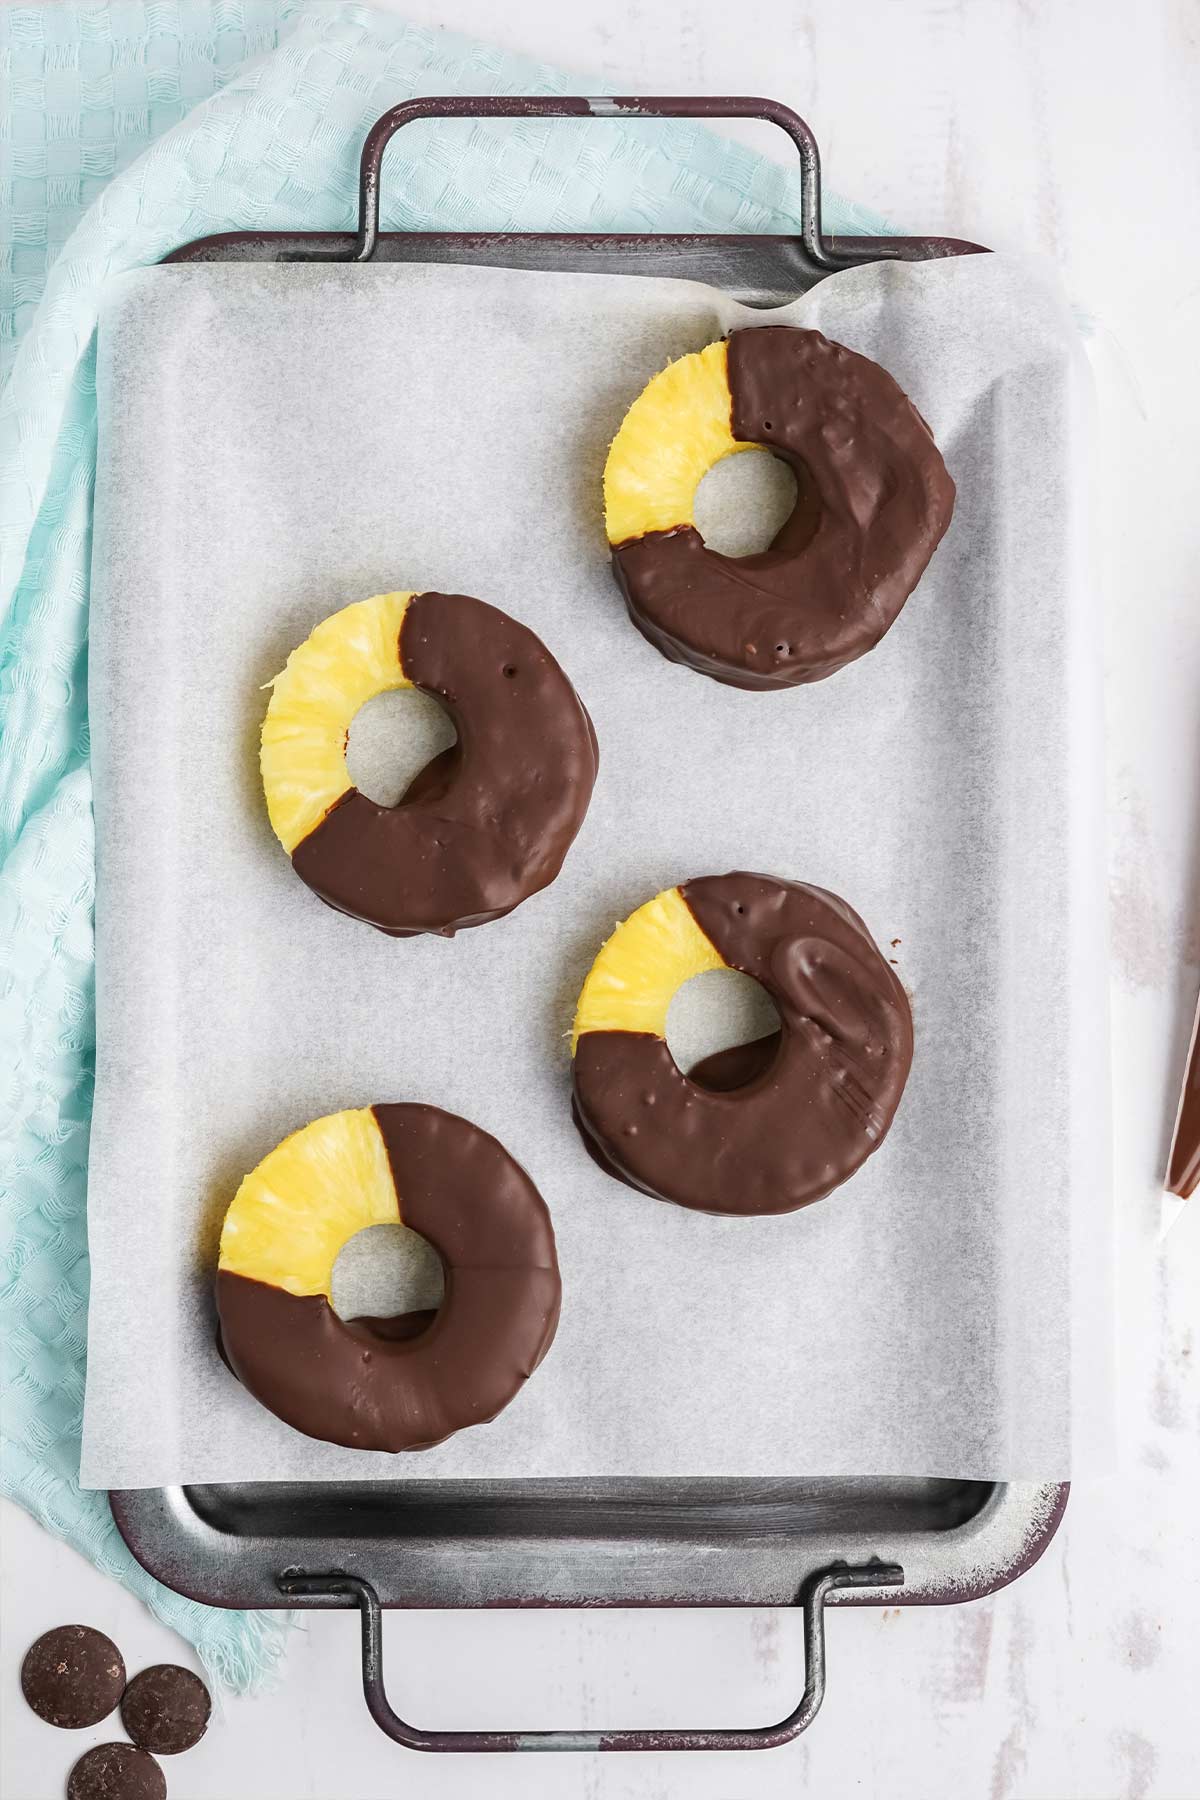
874,499
73,1676
116,1772
733,1067
488,822
166,1709
372,1385
780,1123
1183,1175
721,1071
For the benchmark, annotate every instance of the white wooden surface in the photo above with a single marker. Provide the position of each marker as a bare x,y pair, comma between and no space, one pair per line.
1074,128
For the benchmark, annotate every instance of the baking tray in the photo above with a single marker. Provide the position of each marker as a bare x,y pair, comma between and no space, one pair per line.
803,1543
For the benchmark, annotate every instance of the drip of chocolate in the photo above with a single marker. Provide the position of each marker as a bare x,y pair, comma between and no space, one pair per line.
874,500
406,1384
489,821
774,1125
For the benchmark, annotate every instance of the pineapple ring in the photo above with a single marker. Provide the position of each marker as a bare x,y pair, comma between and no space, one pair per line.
873,502
764,1127
387,1384
482,826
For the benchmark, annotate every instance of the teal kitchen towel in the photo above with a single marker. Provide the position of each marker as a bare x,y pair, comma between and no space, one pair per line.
127,130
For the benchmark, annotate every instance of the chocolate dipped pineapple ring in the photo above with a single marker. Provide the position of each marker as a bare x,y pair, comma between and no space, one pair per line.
873,501
769,1127
482,826
387,1384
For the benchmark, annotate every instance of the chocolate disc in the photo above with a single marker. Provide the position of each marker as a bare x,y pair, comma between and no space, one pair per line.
387,1384
73,1676
485,824
166,1709
874,500
766,1127
116,1772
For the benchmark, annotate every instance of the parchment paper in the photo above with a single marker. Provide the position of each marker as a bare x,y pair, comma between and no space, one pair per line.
275,443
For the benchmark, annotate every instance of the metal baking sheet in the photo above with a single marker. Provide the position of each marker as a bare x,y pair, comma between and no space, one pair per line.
570,1542
577,1543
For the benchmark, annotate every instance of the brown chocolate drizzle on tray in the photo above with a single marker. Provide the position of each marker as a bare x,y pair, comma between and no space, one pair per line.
874,501
779,1123
407,1384
487,823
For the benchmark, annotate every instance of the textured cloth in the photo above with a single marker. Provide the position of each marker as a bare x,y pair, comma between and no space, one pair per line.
271,142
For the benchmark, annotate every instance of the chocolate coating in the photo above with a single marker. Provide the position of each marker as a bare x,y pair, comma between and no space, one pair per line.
373,1384
166,1709
72,1676
732,1068
721,1071
779,1123
116,1772
488,822
873,503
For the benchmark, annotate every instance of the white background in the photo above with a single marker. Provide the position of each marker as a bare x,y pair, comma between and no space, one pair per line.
1073,129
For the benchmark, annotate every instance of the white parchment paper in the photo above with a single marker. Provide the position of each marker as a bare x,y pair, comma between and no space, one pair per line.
275,443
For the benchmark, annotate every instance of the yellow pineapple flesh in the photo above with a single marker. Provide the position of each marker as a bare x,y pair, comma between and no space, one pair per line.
349,658
633,980
306,1199
672,435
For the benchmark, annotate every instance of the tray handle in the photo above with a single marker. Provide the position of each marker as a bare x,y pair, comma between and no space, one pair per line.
603,106
296,1585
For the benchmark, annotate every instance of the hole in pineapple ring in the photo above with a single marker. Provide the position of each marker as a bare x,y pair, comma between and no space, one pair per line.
714,1011
392,737
384,1271
743,502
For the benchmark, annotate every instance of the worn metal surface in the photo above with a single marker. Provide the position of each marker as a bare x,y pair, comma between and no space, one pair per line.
298,1586
601,106
590,1543
704,1542
762,270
